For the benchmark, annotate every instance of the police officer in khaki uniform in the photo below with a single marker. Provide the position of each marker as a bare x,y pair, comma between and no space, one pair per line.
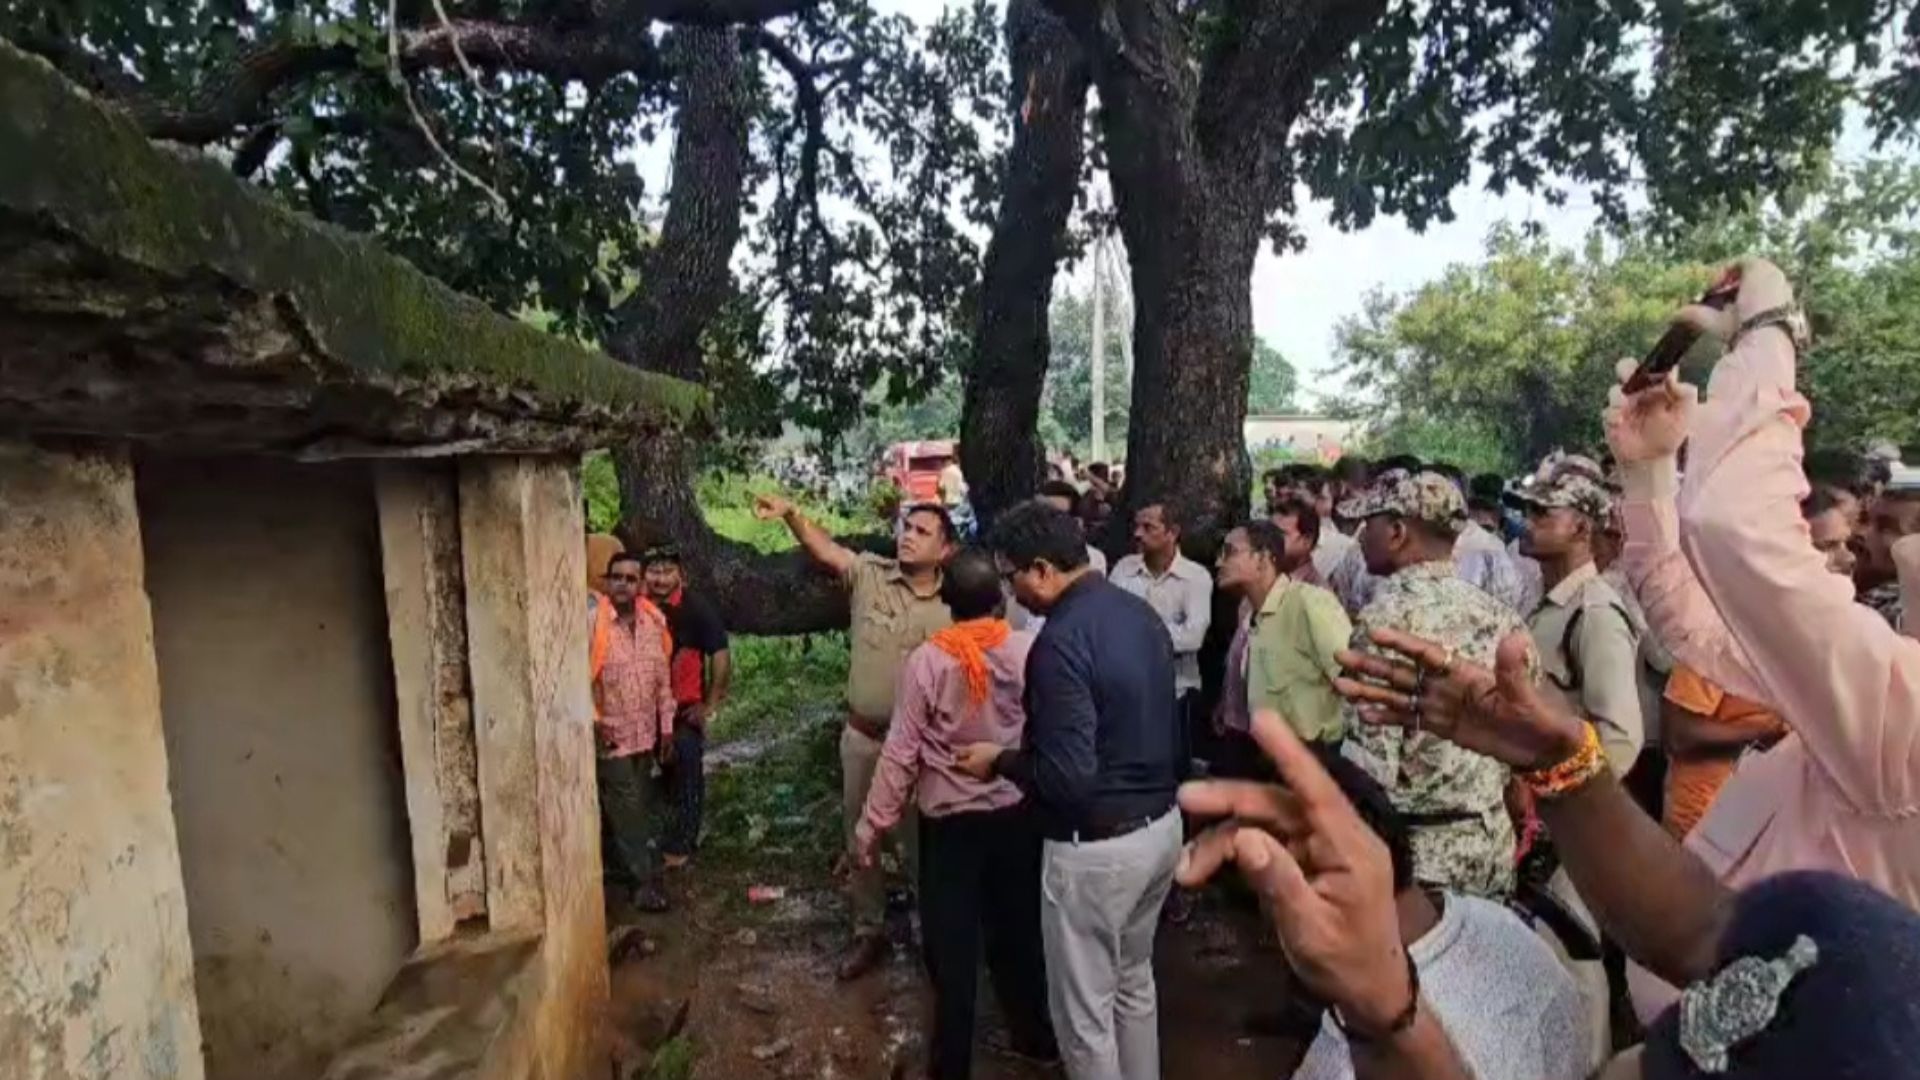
895,606
1589,645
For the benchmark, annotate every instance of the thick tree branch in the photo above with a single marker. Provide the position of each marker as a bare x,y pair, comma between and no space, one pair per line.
1008,370
684,276
720,12
616,42
684,286
811,101
238,97
1255,84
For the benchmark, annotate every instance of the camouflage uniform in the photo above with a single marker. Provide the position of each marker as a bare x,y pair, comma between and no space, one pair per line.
1454,798
1885,599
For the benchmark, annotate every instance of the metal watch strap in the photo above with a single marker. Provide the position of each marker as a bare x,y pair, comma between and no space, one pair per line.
1788,317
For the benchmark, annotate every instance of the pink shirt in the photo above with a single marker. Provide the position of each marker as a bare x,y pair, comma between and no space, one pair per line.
1732,584
634,690
931,718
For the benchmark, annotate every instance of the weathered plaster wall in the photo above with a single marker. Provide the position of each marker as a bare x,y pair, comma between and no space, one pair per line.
96,975
526,614
276,688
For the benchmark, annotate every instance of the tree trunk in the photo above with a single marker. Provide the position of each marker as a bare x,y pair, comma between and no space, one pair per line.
1196,133
999,447
685,284
1192,349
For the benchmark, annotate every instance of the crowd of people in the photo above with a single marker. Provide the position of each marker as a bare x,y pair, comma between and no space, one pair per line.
1497,754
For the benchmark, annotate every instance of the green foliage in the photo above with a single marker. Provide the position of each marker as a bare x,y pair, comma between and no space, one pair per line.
601,487
1271,382
1690,105
1068,396
674,1060
1509,358
782,804
862,254
726,499
1468,443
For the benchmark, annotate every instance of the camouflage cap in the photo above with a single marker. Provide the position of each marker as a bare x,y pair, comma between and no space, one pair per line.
1568,480
1424,496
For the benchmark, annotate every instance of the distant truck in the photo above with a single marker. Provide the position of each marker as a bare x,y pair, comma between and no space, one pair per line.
914,468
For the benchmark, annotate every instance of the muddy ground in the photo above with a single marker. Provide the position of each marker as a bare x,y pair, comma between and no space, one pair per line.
724,989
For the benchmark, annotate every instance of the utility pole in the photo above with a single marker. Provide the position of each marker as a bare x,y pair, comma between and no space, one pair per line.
1098,363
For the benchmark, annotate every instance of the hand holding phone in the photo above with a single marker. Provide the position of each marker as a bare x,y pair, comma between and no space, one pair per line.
1673,344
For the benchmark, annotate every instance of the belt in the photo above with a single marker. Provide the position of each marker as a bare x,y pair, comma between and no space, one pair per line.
872,729
1093,834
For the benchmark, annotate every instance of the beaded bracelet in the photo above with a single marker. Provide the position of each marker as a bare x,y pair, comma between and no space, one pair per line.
1570,773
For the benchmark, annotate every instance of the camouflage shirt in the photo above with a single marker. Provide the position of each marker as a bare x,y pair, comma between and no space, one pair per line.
1885,599
1462,837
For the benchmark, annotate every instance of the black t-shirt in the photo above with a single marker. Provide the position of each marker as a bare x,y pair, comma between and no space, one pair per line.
697,634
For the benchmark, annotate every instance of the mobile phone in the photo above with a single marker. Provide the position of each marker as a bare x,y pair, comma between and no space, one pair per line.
1674,344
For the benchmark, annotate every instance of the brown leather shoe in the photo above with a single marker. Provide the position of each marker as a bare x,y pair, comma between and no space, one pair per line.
863,954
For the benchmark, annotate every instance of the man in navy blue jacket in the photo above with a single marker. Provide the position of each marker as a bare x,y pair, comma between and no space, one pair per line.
1100,769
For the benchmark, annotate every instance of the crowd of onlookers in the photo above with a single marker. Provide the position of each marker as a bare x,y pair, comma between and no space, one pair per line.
1609,769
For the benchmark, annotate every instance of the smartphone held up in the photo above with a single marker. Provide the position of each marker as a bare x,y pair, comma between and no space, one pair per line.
1666,353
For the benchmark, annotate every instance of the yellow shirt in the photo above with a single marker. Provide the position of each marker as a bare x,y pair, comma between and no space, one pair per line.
1290,664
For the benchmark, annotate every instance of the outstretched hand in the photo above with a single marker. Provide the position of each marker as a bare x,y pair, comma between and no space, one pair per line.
1324,878
1502,713
771,507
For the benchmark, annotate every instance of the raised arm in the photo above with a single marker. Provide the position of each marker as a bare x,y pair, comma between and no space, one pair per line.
1839,675
1645,434
1657,899
814,540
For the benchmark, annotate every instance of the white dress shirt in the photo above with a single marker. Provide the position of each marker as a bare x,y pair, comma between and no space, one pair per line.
1184,598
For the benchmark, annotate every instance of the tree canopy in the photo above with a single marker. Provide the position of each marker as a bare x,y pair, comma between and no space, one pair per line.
817,249
1506,359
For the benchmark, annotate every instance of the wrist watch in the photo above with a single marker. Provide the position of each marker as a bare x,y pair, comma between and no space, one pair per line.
1788,317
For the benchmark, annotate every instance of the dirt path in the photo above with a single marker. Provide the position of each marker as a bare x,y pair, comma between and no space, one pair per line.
729,990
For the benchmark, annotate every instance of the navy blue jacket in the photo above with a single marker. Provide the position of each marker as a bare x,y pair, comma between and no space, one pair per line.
1102,737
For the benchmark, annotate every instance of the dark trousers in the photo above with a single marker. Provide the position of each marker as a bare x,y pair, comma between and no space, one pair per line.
629,820
980,885
687,789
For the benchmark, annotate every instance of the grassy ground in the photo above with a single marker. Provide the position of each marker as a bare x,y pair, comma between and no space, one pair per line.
779,805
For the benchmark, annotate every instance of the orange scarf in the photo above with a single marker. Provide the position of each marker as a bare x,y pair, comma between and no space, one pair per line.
968,642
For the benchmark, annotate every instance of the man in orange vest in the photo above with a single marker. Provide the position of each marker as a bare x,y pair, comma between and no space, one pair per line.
633,724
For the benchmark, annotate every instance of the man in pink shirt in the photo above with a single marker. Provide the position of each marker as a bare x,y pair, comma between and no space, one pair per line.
634,707
979,851
1733,585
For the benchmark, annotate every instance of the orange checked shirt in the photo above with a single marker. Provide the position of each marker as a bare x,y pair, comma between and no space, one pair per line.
632,683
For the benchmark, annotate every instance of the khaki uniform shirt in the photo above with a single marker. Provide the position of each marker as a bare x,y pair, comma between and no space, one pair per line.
888,622
1455,799
1290,664
1605,650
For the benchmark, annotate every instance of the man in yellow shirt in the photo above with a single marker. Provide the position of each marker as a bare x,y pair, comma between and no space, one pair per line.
1282,656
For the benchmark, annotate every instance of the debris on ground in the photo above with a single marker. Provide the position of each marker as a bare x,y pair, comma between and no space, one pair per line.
774,1049
766,894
